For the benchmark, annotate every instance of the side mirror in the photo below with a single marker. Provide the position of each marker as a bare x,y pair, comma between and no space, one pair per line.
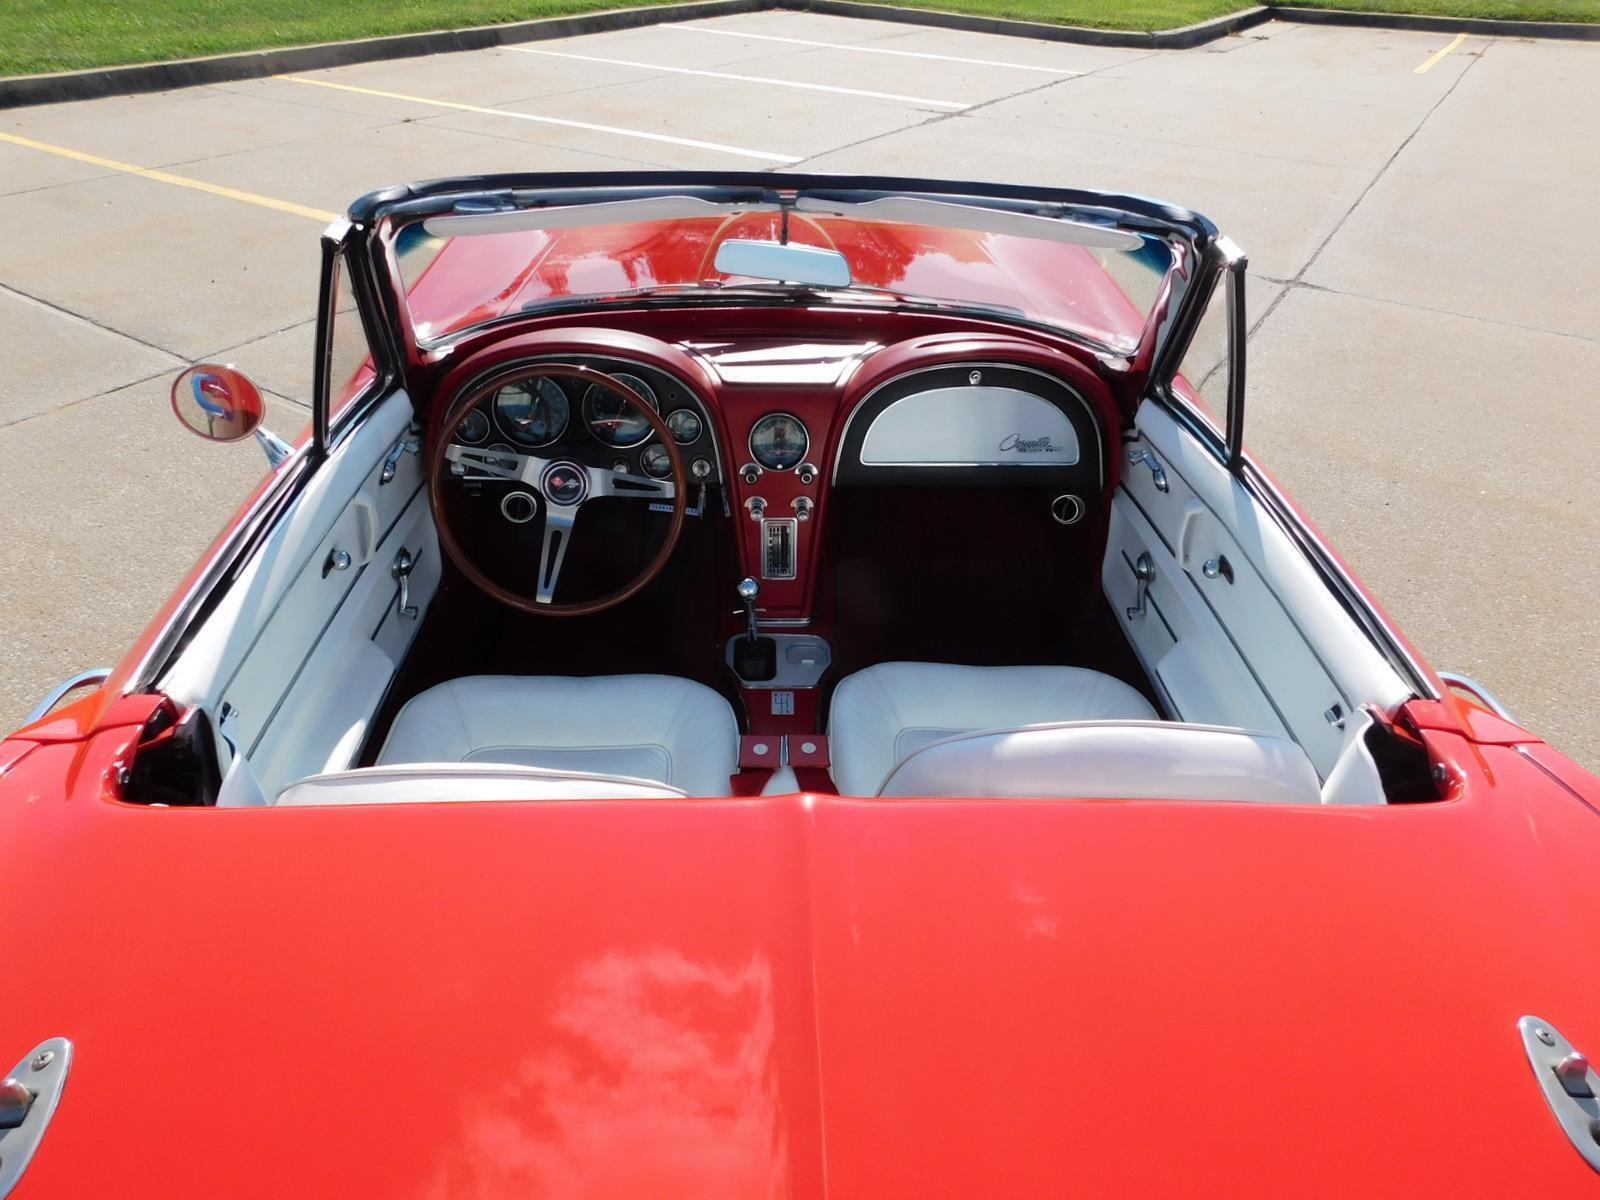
218,403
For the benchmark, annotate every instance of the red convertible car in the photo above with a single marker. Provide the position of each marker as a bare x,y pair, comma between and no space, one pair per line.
775,685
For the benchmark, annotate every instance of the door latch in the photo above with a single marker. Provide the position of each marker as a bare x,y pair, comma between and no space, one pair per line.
1568,1083
1144,570
1158,473
28,1096
391,464
404,564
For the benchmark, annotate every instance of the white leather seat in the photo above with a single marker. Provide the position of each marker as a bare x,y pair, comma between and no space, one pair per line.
1112,760
413,782
656,728
882,715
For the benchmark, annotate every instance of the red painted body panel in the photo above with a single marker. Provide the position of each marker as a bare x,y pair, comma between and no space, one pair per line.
801,996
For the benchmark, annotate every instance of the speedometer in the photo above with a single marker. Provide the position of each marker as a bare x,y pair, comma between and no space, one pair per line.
779,441
532,412
613,418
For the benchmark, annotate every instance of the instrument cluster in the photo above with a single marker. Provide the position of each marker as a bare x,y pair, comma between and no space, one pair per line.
600,423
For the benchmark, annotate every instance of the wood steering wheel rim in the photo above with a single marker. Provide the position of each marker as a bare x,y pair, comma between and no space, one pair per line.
439,473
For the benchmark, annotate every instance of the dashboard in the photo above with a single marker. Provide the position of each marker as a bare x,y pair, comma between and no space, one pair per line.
775,429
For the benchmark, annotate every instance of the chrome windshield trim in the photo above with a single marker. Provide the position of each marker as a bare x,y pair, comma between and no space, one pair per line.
56,694
1465,683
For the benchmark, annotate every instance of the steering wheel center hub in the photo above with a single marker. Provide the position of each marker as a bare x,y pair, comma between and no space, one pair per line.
565,483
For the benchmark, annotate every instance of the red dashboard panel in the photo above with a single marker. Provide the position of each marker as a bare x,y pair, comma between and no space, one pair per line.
753,368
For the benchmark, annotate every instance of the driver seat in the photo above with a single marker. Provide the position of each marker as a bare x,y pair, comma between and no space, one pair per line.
641,727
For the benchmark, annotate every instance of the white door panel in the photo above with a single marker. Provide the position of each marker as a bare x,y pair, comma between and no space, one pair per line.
1248,633
1178,638
297,656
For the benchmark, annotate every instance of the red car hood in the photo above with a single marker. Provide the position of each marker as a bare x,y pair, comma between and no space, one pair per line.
800,997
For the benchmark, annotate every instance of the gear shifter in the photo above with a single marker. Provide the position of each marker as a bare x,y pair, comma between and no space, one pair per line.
755,658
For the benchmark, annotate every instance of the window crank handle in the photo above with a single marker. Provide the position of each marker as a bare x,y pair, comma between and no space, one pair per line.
1144,570
404,564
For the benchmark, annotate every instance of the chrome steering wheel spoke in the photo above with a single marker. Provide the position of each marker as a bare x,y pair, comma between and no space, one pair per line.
606,482
473,462
558,519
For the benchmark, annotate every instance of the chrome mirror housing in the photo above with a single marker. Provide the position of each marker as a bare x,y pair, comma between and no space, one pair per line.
221,404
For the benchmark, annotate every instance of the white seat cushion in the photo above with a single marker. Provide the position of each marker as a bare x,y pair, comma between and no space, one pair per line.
647,727
1112,760
882,715
413,782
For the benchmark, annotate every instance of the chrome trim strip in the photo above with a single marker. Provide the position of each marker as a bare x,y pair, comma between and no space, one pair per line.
54,696
1379,630
289,481
1466,683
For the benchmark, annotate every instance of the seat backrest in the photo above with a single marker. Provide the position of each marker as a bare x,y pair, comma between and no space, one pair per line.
1116,760
466,781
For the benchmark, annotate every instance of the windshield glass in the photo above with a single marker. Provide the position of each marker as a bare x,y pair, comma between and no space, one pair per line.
1094,280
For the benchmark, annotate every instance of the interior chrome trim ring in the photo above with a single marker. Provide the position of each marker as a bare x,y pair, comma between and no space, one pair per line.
1067,509
750,439
516,499
494,412
638,385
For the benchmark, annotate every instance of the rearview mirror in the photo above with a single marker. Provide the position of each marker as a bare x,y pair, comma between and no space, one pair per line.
218,403
784,262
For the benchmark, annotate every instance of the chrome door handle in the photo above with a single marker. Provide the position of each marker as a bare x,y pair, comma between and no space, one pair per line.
1158,473
1144,570
404,564
391,464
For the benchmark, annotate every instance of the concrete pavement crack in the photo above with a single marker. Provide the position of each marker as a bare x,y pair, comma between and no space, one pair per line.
1299,276
88,320
935,118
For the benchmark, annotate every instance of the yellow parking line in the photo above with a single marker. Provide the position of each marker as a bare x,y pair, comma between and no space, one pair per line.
199,185
1438,56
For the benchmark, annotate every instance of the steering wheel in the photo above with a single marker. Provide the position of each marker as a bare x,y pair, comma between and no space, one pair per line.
563,484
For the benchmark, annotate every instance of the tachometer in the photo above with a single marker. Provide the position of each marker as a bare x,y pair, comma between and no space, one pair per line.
534,412
779,441
614,419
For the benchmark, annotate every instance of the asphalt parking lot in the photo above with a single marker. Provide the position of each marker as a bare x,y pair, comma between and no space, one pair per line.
1417,210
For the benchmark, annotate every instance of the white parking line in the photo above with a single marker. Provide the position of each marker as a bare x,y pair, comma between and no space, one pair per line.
794,41
562,121
952,105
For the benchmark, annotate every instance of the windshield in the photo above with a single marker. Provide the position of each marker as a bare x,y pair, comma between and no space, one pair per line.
1098,281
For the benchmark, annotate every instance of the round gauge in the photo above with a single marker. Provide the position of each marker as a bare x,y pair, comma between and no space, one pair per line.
474,427
533,412
657,463
685,426
779,441
613,419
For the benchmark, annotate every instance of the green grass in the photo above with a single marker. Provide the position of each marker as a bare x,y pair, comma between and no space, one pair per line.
63,35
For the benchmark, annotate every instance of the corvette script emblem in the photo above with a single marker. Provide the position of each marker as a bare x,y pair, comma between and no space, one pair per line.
1022,445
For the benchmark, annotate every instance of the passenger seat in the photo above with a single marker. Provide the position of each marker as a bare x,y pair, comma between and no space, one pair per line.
882,715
